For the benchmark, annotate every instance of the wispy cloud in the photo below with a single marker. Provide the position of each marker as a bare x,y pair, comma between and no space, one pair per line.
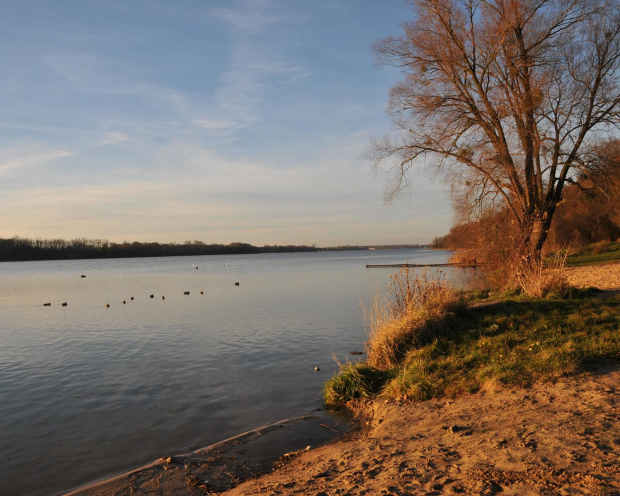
215,123
218,121
111,138
258,68
250,17
206,196
23,157
259,63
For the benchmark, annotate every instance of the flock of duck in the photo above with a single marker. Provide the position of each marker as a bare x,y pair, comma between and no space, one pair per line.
150,296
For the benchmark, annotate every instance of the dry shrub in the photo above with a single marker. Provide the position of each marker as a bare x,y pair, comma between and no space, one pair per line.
465,256
417,310
541,278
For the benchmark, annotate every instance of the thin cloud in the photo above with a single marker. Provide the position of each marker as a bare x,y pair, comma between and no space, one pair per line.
251,17
25,157
113,139
258,64
215,123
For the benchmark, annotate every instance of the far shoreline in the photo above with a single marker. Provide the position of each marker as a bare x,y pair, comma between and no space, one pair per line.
27,250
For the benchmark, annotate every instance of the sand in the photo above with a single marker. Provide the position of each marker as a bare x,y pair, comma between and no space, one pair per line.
560,438
606,277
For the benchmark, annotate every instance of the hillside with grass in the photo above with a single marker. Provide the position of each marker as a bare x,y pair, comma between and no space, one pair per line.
427,340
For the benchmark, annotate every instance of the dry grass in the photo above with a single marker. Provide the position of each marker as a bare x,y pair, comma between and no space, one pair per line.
425,341
540,278
417,310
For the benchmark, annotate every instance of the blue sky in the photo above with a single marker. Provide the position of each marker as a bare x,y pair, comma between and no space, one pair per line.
208,120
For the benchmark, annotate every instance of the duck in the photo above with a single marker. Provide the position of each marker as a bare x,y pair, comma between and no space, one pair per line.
163,297
236,284
124,302
64,304
107,305
152,296
186,293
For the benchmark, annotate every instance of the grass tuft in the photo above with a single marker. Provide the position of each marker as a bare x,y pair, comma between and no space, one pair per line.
354,381
421,309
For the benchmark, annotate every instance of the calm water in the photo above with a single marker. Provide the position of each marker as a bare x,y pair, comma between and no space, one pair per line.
88,391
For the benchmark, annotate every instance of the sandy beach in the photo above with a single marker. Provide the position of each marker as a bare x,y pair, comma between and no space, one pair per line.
605,277
560,437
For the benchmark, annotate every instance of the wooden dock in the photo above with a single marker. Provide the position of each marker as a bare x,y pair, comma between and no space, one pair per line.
464,265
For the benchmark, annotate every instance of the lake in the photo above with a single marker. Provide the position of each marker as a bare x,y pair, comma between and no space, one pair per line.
88,391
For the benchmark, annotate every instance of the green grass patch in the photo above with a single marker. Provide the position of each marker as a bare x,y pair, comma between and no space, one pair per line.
596,253
354,381
513,343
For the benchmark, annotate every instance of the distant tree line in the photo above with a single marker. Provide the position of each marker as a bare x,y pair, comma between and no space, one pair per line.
26,249
373,247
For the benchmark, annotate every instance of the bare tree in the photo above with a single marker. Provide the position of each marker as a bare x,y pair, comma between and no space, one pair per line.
503,97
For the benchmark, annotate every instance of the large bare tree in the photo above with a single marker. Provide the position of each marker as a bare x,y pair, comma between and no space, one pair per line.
504,97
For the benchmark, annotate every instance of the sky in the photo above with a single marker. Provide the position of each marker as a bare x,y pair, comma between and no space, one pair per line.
218,121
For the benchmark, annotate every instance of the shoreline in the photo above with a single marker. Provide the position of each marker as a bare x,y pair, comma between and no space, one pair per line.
561,436
554,438
225,464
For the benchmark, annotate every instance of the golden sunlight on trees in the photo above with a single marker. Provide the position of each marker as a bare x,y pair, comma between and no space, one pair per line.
590,209
506,99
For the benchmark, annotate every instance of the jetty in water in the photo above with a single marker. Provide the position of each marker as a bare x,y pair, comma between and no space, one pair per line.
382,266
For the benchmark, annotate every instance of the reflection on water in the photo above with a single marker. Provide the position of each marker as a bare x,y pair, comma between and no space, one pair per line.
87,390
